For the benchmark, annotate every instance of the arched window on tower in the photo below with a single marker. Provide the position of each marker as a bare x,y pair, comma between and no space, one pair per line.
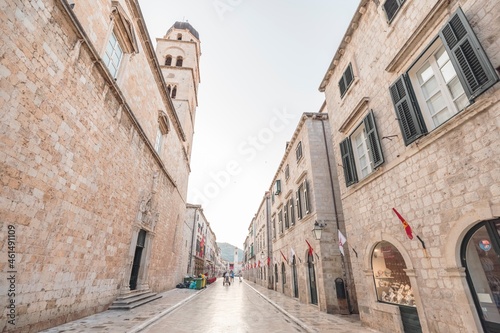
179,36
178,63
168,61
169,89
174,92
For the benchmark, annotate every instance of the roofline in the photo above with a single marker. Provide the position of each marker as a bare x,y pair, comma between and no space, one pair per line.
306,115
353,25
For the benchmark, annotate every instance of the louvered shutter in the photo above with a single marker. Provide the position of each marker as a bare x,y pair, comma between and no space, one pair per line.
375,146
467,56
410,119
348,162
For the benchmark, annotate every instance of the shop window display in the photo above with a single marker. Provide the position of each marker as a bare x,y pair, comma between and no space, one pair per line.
391,281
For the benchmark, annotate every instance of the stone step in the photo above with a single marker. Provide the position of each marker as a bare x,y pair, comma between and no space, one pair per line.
133,300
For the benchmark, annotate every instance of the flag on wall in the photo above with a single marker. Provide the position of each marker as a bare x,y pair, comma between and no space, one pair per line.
342,241
268,261
405,224
283,256
310,248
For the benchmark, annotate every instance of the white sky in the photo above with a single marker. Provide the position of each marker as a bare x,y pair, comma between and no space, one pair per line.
261,65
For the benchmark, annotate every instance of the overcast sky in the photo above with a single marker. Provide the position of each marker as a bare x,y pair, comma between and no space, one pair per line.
261,65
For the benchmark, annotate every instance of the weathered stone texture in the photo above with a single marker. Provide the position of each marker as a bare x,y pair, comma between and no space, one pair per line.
443,184
75,166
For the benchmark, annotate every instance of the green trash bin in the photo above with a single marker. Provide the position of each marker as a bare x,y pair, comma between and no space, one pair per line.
198,283
188,279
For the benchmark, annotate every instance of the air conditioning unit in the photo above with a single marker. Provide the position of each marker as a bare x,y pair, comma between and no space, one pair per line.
277,187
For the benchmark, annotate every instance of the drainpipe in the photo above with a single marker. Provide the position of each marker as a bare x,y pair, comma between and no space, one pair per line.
335,211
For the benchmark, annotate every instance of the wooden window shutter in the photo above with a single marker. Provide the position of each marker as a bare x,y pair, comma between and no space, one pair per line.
467,56
409,117
348,162
373,139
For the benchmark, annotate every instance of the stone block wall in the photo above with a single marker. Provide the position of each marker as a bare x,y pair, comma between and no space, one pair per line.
78,172
443,184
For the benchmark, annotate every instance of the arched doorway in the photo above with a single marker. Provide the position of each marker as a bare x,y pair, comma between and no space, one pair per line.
136,264
275,277
295,280
312,279
480,254
393,285
283,277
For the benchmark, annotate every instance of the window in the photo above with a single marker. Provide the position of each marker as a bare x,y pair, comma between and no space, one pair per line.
302,201
274,227
178,62
161,132
287,172
391,282
280,220
361,152
159,140
113,55
391,7
479,253
277,187
445,79
346,80
438,90
285,213
298,203
298,151
292,211
168,61
121,41
174,92
179,36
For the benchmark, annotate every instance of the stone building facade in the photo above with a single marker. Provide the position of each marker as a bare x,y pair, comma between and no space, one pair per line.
413,103
203,255
304,195
94,159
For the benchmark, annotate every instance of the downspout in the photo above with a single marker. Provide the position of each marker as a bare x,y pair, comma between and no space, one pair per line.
335,208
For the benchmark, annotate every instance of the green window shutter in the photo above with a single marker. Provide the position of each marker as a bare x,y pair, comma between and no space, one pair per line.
375,147
346,80
467,56
348,162
409,117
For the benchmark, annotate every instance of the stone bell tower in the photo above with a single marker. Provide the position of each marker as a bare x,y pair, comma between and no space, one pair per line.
178,53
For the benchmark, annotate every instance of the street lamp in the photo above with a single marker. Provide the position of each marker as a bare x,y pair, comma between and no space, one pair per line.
262,255
318,229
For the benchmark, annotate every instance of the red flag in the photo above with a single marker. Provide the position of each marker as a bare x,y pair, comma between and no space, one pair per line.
258,264
268,261
405,224
283,256
310,248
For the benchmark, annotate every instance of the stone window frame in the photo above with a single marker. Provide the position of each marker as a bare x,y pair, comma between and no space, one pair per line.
472,65
349,158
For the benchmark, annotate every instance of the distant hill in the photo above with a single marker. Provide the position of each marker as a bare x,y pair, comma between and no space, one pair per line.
227,252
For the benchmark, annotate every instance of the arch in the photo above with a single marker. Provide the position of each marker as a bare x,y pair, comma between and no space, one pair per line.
311,273
295,279
168,60
283,276
174,92
179,36
178,62
479,254
480,211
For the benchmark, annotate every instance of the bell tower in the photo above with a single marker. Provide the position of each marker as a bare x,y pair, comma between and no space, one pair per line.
178,53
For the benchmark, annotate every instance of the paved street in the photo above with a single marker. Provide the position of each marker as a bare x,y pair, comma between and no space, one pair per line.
236,308
242,307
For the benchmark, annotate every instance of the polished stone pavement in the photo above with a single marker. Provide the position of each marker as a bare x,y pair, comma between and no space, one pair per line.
285,311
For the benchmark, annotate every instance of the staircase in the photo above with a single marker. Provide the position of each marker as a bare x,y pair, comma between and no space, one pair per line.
133,300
